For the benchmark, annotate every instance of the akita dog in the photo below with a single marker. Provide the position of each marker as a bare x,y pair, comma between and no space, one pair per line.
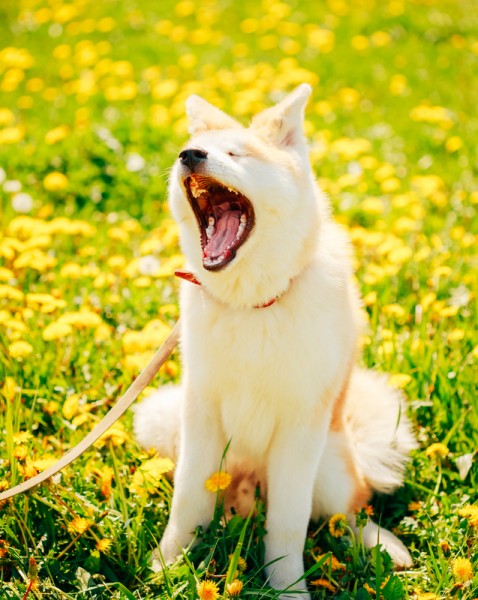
270,323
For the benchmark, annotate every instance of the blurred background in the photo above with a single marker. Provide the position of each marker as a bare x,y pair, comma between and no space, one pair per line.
91,119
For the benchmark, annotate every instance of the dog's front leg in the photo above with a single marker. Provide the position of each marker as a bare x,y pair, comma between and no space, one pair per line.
293,462
200,452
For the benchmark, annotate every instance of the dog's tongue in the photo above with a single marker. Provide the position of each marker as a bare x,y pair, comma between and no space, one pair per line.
224,234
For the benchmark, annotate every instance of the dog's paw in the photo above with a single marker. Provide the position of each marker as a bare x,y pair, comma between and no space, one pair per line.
373,534
398,553
157,561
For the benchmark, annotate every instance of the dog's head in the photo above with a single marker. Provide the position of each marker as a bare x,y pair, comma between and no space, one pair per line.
245,200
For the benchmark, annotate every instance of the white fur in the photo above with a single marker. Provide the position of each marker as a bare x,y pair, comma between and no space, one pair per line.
278,382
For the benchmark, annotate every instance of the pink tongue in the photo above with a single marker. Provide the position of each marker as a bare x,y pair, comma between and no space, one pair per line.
225,231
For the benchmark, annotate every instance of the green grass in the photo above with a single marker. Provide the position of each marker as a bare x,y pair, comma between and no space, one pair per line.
95,91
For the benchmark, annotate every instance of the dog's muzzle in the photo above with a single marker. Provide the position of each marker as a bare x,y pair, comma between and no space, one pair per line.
192,157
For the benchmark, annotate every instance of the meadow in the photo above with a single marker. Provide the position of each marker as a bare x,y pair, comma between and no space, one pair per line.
91,118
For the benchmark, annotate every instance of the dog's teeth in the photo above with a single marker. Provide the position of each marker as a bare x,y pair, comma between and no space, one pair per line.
242,226
210,228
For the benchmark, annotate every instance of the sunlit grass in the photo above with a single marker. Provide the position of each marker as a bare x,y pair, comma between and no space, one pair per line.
91,118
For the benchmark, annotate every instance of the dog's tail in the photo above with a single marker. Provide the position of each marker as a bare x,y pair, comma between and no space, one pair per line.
380,431
156,421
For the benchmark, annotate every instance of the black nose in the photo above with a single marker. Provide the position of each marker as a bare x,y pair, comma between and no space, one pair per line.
192,157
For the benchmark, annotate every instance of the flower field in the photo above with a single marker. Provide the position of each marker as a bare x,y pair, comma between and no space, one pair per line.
91,119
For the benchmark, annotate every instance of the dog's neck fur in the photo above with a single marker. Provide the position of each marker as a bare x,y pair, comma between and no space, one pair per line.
189,276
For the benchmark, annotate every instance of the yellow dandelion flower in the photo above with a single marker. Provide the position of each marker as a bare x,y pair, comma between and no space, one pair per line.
40,464
370,589
55,182
331,562
57,134
21,437
56,331
10,293
234,588
426,596
51,407
337,525
241,563
437,450
20,452
79,525
324,583
117,434
470,513
20,349
103,545
218,482
84,318
147,477
207,590
462,569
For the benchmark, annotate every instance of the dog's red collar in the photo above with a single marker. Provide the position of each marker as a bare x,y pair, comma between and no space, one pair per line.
188,276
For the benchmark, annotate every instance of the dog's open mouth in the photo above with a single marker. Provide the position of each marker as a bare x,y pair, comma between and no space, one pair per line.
225,218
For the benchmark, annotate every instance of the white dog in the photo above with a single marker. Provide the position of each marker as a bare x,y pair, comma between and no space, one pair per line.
269,344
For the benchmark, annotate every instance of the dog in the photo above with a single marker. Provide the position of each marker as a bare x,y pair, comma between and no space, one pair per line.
270,324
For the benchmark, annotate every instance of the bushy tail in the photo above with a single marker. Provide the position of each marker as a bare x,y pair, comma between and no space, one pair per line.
380,431
156,421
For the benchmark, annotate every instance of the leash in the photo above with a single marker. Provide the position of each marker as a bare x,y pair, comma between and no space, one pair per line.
119,408
108,420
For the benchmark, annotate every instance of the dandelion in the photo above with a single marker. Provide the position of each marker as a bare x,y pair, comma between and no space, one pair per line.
106,475
20,349
218,482
330,562
51,407
241,563
116,434
148,476
470,513
9,388
20,452
55,182
56,331
79,525
103,545
462,569
337,525
324,583
234,588
21,437
207,590
437,450
82,319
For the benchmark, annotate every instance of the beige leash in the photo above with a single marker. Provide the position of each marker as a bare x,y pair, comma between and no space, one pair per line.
107,421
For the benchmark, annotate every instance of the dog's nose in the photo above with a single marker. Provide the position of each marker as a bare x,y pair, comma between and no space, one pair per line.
191,157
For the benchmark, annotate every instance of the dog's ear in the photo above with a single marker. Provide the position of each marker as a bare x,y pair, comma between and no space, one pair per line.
282,124
204,116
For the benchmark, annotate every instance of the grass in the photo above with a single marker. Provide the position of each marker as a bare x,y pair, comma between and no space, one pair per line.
91,118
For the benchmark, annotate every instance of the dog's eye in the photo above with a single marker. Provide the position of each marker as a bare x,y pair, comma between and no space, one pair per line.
236,154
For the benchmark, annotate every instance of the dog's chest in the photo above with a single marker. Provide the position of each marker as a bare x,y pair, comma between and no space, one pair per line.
260,369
